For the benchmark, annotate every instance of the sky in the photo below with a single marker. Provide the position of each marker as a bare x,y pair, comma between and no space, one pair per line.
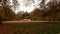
27,5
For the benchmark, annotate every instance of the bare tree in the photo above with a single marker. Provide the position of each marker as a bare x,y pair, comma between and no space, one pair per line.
42,4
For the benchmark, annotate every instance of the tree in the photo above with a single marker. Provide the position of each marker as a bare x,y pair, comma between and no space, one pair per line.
7,11
46,14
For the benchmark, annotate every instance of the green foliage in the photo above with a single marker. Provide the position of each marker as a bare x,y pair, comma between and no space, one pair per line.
57,19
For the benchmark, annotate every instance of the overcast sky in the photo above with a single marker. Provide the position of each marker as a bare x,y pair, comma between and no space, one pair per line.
27,5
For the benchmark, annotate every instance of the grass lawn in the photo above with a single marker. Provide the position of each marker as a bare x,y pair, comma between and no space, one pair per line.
30,28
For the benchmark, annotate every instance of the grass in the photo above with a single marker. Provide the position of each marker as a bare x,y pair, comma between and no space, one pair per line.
34,28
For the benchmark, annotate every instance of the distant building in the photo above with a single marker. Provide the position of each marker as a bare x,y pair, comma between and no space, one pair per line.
26,15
